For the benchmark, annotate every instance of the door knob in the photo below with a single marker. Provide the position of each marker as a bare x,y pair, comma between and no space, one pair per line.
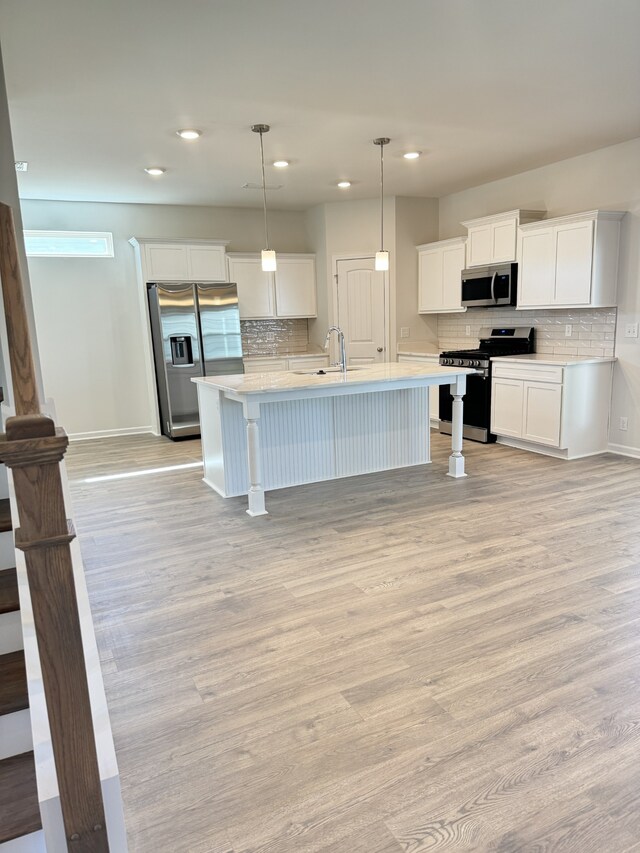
379,349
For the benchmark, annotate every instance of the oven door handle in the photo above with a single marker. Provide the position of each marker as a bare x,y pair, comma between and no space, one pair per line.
493,286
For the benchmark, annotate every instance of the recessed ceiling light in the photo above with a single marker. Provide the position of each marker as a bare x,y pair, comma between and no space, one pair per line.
189,133
155,170
344,184
411,155
281,164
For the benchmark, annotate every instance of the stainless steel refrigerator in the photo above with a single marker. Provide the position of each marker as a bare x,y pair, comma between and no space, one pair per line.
195,330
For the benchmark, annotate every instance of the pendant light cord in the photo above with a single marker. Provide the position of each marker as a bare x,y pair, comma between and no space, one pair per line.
382,198
264,195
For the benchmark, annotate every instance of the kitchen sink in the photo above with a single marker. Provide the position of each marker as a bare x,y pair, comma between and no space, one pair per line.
322,371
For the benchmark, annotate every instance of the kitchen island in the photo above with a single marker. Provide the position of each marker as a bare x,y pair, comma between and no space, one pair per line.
267,431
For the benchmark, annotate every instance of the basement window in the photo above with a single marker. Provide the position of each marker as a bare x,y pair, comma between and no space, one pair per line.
69,244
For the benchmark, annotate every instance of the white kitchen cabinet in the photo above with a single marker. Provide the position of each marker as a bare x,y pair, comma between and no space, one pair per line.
183,261
270,364
256,298
493,239
569,262
434,390
295,286
439,276
561,409
289,292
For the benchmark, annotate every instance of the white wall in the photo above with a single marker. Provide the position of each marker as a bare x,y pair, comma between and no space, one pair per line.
606,179
416,223
87,313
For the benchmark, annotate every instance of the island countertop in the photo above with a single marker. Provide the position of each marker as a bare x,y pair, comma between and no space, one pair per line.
390,374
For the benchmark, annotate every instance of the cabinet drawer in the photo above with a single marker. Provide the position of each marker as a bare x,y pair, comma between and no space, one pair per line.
264,365
533,372
311,363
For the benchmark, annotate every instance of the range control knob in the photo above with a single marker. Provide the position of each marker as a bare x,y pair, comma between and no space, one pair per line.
460,362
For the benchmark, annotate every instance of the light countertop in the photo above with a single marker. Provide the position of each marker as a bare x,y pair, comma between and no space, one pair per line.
386,373
557,360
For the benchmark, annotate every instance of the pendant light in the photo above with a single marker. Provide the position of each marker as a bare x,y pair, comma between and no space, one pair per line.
268,255
382,257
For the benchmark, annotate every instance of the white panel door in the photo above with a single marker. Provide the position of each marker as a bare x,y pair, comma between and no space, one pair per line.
542,413
295,281
536,272
430,292
503,242
574,252
453,258
207,263
479,245
255,288
506,407
361,310
166,263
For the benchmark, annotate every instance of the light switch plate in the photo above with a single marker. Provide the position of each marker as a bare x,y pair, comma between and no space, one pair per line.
404,331
631,330
467,330
568,330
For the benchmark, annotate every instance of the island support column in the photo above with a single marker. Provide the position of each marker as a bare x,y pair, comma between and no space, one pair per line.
456,460
256,491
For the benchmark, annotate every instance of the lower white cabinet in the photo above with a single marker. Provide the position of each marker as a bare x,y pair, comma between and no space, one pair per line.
434,390
561,409
273,364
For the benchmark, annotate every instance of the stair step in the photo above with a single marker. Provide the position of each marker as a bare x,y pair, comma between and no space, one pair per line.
5,516
19,810
13,683
9,600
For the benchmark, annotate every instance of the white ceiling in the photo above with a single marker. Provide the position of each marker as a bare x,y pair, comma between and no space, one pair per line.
485,88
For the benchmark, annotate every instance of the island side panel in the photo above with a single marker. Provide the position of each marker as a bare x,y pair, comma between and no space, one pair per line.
381,430
297,441
224,453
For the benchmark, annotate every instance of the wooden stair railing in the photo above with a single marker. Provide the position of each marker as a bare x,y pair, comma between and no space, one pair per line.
33,448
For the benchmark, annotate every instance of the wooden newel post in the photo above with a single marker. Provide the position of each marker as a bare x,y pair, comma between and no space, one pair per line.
33,450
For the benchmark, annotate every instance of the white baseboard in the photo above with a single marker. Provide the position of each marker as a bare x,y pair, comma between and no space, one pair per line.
109,433
624,450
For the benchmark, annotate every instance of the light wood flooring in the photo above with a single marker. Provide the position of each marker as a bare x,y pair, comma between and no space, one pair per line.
394,662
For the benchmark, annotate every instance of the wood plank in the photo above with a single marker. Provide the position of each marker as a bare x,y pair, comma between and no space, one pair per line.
6,523
13,683
9,599
19,810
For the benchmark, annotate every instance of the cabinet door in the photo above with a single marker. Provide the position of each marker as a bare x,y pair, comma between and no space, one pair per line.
295,281
207,263
574,253
255,288
166,262
430,296
479,243
453,258
536,272
542,411
506,407
503,242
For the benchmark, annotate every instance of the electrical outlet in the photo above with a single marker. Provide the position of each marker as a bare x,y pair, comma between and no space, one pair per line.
404,331
467,331
631,330
568,330
624,424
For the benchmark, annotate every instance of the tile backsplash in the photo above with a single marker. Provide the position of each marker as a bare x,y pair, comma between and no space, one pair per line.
274,337
592,329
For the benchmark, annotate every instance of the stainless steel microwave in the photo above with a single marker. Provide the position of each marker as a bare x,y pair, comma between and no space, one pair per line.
493,285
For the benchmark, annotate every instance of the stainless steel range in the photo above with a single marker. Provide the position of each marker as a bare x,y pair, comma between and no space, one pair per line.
511,340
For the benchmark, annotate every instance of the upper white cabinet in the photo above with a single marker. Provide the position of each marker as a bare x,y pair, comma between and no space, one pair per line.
571,261
288,292
493,239
183,260
439,276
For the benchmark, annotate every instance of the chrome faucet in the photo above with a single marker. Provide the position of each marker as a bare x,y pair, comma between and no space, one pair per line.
342,364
